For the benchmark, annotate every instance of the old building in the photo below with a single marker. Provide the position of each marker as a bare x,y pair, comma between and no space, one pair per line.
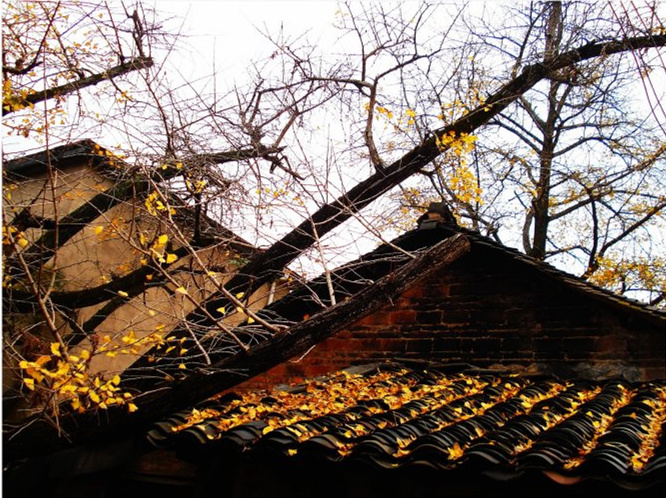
90,226
496,375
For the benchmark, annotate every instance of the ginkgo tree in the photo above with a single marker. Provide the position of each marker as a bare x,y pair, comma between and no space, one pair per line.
407,97
574,172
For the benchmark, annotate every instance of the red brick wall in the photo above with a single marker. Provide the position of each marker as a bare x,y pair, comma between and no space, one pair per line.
489,310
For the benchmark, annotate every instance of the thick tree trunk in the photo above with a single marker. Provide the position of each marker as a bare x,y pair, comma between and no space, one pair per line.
541,203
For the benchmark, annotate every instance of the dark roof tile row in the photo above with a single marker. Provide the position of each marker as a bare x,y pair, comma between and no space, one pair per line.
394,417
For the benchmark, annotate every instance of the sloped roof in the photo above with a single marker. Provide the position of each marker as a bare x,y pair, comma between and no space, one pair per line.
32,163
392,416
356,275
574,282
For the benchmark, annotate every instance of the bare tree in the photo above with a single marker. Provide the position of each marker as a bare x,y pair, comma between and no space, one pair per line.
221,157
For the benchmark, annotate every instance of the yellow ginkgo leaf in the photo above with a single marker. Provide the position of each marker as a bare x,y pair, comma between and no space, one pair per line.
29,383
123,294
116,380
162,239
170,258
240,295
22,242
99,229
131,407
222,310
250,320
55,348
181,290
182,366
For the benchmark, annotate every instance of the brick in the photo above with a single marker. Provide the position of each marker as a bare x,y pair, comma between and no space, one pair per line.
610,343
548,348
403,316
377,318
391,345
516,356
516,343
465,289
419,345
415,291
485,346
578,348
446,344
456,316
428,317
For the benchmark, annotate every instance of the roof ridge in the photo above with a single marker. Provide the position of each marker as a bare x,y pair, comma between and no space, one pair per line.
558,273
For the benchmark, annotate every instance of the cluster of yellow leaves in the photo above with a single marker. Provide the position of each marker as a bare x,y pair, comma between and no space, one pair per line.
10,234
406,216
461,180
450,111
33,121
652,433
154,204
66,377
157,249
276,192
43,31
601,423
13,100
113,158
129,343
618,274
464,185
274,195
196,186
408,118
113,229
459,144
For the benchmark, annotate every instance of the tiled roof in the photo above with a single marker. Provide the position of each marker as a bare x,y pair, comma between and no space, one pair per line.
355,275
574,282
392,416
24,165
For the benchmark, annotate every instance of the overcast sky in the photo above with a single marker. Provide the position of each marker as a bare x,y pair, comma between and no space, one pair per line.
231,30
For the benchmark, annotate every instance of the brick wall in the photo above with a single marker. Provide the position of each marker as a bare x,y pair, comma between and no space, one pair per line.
491,310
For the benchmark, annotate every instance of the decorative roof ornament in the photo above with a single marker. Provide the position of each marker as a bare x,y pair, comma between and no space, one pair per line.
438,212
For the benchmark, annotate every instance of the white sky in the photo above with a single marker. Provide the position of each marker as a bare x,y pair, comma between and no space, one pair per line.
230,30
